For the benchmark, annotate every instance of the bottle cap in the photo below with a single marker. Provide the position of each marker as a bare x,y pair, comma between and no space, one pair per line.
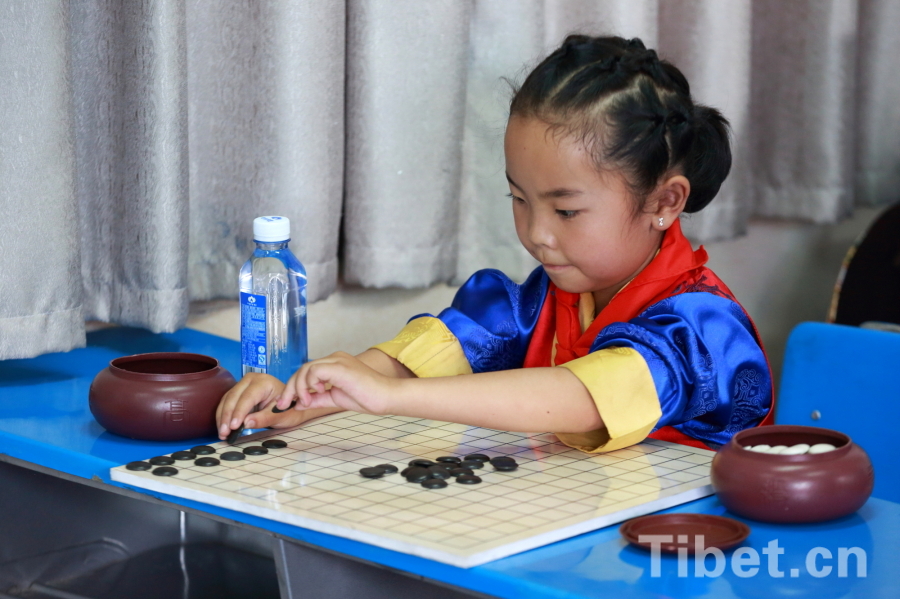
271,229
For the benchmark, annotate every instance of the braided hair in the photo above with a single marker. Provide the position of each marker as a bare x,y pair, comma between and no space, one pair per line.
633,111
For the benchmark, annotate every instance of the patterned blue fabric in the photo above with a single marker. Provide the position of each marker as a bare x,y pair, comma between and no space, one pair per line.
494,318
710,373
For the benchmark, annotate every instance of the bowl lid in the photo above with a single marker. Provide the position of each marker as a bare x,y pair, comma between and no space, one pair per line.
717,531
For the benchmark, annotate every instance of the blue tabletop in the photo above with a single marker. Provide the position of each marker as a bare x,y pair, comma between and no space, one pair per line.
45,420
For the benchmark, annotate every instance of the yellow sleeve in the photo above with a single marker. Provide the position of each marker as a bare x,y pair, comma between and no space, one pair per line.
622,387
428,348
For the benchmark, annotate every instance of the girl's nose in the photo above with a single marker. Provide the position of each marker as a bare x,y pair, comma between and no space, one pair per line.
540,234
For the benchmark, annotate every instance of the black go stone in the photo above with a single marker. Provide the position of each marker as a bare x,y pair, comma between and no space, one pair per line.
472,464
274,444
139,466
255,450
203,450
434,483
448,459
478,457
206,462
438,472
388,468
416,474
374,472
275,409
161,460
468,479
165,471
405,471
421,463
461,471
504,464
234,435
184,455
504,467
232,456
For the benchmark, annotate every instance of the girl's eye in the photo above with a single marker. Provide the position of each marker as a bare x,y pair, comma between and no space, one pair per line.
515,198
567,214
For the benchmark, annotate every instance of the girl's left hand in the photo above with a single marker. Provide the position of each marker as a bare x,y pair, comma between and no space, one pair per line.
339,381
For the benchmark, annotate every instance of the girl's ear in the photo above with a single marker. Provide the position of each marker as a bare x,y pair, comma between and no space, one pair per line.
668,201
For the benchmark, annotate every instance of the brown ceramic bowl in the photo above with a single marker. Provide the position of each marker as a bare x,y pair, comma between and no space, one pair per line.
160,397
792,488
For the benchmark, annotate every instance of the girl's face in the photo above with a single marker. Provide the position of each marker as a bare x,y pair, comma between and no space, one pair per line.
580,224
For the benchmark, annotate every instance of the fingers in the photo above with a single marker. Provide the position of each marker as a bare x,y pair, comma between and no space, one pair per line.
289,394
238,406
266,418
226,405
252,391
341,381
316,381
336,381
299,386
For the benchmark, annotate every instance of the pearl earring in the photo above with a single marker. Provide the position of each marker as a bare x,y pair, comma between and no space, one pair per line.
660,221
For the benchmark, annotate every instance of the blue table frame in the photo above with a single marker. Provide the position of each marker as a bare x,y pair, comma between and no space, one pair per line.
45,422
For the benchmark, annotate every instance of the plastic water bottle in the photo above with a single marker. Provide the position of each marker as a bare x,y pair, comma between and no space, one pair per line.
273,303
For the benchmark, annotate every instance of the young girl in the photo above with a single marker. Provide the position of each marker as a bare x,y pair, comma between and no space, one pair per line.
621,333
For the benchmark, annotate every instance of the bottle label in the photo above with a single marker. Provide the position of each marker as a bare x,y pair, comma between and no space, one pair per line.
253,332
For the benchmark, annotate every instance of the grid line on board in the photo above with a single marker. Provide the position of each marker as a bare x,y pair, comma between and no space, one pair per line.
315,479
261,479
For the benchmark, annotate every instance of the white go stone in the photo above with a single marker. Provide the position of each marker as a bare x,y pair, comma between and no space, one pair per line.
777,449
760,448
798,449
822,448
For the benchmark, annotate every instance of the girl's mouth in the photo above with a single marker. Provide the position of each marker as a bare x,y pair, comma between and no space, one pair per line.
556,267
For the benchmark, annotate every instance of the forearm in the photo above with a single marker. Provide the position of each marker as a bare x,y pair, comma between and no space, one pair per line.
523,400
381,362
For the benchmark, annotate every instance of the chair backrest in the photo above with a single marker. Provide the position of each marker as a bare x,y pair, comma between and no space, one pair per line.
868,286
847,379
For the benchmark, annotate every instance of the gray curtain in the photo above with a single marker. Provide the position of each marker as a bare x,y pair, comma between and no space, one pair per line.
406,82
128,91
138,140
265,134
40,278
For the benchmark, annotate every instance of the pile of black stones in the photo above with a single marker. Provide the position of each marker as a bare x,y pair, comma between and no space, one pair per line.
430,474
201,456
434,475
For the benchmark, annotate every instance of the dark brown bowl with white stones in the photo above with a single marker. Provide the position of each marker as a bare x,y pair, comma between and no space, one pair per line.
787,473
166,396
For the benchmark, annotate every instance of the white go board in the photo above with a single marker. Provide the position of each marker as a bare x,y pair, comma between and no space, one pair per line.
555,493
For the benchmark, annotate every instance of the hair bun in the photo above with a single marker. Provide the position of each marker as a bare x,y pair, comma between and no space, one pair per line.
644,61
709,160
635,43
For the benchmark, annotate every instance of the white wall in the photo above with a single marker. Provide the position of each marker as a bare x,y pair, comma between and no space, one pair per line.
783,273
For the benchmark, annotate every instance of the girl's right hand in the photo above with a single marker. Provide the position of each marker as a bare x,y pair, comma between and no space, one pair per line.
250,402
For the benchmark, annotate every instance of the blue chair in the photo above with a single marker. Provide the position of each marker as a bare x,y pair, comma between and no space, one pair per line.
847,379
